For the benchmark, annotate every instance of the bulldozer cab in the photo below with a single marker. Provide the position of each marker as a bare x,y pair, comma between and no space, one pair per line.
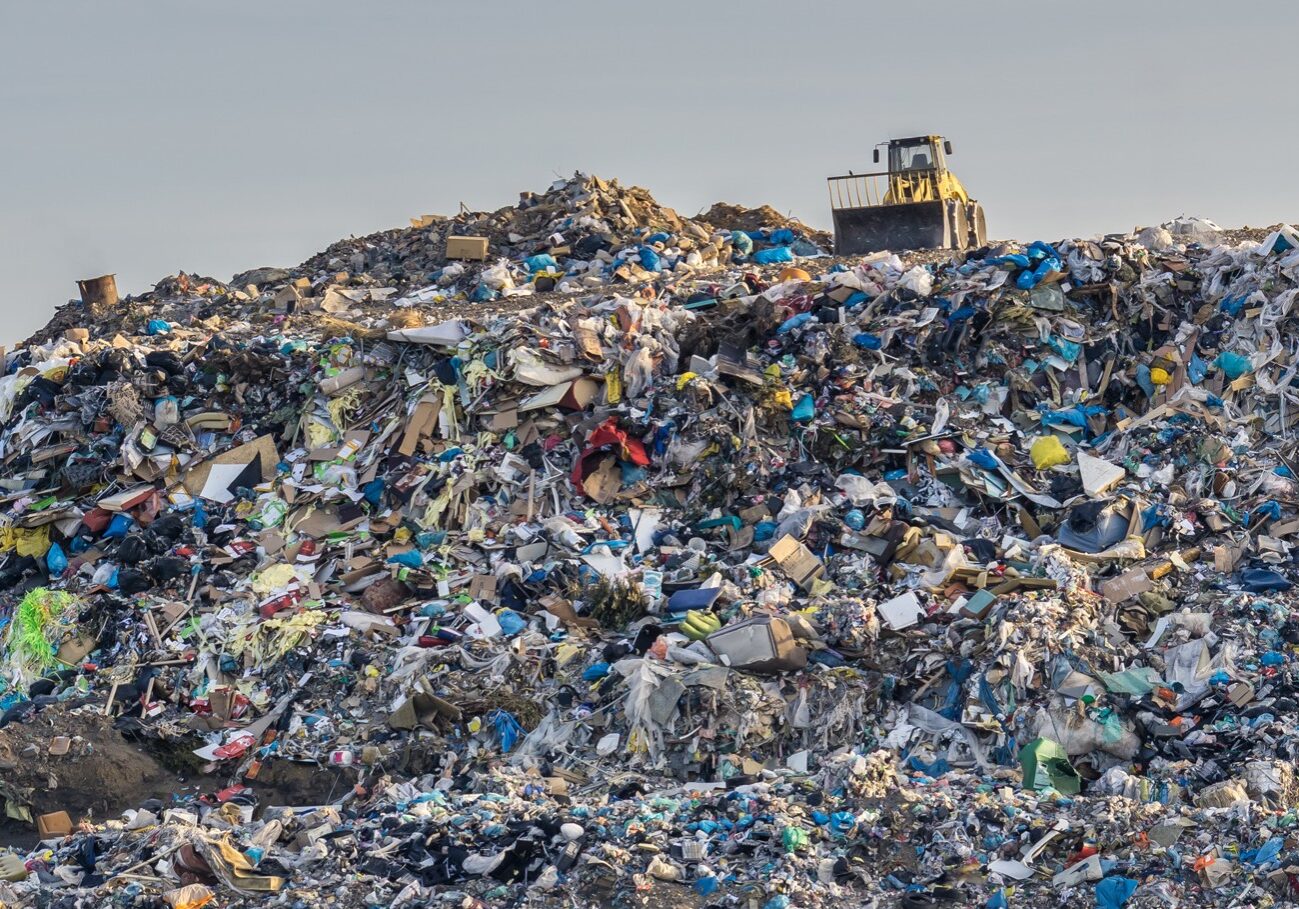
918,171
919,154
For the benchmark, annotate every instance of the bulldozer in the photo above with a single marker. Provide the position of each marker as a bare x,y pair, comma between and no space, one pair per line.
916,204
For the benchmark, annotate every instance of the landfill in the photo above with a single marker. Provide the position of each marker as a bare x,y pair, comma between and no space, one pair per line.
582,554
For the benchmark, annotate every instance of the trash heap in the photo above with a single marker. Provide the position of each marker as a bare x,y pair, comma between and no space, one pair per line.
688,579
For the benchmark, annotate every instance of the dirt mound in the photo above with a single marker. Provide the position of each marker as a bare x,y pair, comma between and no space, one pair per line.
103,773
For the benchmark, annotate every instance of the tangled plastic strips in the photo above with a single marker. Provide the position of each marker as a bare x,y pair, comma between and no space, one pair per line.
29,639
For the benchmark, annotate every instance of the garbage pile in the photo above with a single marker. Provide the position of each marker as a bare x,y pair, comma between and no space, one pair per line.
703,579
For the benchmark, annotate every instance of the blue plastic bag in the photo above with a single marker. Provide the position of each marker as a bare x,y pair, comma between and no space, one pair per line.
867,341
1269,510
511,622
649,259
507,729
843,823
1113,892
1027,280
794,322
595,672
119,527
1268,851
158,327
772,256
782,237
55,560
741,242
1263,580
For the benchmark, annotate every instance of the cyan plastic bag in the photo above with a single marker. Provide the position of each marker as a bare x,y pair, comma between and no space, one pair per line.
804,409
1113,892
55,560
411,558
741,243
1232,364
541,262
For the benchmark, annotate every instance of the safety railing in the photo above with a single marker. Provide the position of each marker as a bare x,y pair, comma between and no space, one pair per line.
865,190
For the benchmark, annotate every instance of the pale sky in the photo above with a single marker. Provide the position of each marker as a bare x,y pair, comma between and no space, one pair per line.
146,137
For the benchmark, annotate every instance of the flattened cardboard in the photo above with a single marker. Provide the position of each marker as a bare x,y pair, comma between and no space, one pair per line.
797,561
1131,583
483,588
260,451
421,424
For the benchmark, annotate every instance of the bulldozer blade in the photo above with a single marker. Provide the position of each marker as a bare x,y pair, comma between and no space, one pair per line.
914,225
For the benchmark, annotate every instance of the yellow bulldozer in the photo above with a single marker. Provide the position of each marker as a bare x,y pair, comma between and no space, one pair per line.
916,204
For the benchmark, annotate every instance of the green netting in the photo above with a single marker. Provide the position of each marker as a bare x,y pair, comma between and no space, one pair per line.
30,637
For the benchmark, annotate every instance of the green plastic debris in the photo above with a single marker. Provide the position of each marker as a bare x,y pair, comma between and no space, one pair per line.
1138,681
1046,766
794,839
33,633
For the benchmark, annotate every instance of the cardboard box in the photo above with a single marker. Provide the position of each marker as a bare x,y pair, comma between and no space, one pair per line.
56,823
466,247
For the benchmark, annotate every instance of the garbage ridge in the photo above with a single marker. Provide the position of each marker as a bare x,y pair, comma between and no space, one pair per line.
580,554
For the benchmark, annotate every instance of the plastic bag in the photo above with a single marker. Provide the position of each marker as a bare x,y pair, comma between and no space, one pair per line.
1047,452
774,255
166,411
919,281
497,277
1113,892
638,372
540,262
1232,364
55,560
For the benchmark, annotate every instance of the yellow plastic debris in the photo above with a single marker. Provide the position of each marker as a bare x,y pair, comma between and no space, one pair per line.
790,273
1048,451
1160,376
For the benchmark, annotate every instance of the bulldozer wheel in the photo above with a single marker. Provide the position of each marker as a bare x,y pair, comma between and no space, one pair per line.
959,226
978,227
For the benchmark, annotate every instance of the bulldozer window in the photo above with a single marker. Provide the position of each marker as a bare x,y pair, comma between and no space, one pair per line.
911,157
